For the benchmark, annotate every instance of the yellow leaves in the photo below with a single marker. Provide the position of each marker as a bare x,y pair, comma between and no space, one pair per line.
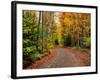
59,33
66,21
50,46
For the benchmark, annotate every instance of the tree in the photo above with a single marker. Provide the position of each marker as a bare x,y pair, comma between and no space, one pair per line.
77,25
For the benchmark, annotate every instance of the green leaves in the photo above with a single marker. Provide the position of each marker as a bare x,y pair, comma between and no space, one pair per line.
27,50
27,42
36,56
31,35
27,30
88,42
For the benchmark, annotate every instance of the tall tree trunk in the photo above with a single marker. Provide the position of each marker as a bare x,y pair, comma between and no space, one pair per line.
38,29
42,16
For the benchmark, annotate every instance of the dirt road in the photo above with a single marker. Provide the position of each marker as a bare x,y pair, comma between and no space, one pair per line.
64,57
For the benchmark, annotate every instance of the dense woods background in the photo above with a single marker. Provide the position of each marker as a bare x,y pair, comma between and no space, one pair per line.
43,31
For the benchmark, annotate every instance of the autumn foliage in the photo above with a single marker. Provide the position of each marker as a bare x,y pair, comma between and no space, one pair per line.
43,31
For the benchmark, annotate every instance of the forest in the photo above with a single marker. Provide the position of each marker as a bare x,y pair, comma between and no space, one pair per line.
45,31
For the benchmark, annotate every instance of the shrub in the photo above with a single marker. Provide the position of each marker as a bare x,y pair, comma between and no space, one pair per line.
36,55
31,46
88,42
